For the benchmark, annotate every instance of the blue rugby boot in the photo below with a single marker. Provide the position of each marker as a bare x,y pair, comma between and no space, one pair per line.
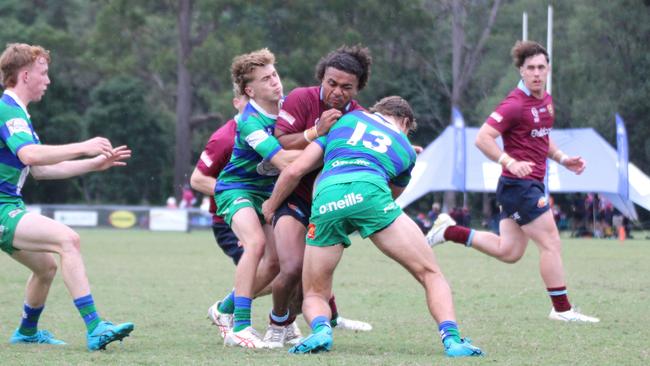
107,332
463,348
41,336
315,342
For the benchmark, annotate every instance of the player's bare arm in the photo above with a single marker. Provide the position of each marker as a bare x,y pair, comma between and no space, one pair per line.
310,159
52,154
575,164
202,183
486,142
285,157
73,168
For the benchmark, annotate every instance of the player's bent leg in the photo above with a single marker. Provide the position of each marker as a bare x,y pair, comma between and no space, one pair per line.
404,242
43,267
318,271
407,246
509,247
290,241
543,231
36,233
246,225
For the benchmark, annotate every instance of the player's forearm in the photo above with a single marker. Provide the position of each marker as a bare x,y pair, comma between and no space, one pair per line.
293,141
65,169
49,154
286,183
202,183
554,153
285,157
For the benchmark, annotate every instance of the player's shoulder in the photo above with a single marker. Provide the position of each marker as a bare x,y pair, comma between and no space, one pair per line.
301,96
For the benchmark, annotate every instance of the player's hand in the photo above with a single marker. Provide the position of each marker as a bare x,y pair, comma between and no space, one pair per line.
575,164
418,149
116,158
268,212
326,120
521,168
97,146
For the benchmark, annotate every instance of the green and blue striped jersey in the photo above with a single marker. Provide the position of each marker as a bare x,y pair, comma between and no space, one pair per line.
365,147
254,142
16,131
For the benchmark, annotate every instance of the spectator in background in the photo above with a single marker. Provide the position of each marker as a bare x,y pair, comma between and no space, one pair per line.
187,198
435,211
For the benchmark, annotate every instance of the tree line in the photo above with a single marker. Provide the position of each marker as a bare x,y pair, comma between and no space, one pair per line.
155,74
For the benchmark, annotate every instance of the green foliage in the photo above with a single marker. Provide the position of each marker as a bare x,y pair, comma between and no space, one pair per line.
119,112
600,62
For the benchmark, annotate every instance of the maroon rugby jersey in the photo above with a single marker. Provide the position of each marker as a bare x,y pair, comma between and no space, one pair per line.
216,155
525,124
300,111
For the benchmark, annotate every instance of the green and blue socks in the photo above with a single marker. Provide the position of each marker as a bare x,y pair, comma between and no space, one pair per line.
86,307
242,318
29,321
449,330
320,323
227,305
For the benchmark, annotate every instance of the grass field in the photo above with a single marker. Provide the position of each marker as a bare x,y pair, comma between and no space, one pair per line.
164,282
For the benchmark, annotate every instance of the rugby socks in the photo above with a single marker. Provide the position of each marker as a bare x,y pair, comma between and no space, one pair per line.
29,321
460,234
559,298
227,305
449,329
319,323
334,310
86,307
242,313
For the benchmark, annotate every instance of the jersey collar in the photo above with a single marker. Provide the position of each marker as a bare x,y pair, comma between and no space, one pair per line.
13,96
261,110
523,88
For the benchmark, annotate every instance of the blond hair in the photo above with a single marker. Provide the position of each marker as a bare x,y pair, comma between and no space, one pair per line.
243,66
15,57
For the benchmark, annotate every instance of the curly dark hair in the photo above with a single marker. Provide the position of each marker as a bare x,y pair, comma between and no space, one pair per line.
525,49
355,60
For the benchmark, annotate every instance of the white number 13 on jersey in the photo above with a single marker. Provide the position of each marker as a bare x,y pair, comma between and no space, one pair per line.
379,143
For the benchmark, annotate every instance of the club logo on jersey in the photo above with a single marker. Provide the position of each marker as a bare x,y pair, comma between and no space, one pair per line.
240,200
541,202
515,216
392,206
295,209
287,117
550,109
16,125
496,116
351,162
348,200
311,231
256,138
15,212
540,132
205,158
535,114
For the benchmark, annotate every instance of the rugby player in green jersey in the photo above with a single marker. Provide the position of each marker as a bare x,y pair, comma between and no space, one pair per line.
246,181
368,162
32,239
